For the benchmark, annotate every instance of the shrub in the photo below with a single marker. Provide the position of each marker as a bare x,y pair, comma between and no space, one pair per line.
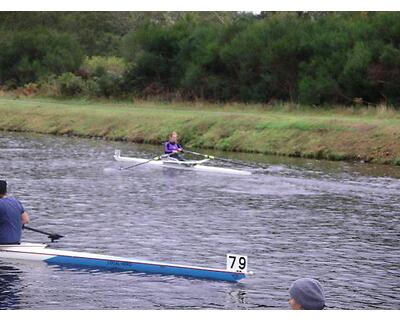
70,85
29,56
98,66
92,88
152,52
109,85
203,73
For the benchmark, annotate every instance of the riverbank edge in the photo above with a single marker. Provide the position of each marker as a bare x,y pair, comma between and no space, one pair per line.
308,134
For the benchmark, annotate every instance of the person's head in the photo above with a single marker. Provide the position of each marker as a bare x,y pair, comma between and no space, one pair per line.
3,188
307,294
173,137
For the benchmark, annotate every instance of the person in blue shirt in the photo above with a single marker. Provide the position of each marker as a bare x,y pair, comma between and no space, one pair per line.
172,147
12,217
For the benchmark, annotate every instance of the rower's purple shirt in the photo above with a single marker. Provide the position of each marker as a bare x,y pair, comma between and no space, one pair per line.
170,147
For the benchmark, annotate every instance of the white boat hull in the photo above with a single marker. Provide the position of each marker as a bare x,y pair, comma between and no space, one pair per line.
182,165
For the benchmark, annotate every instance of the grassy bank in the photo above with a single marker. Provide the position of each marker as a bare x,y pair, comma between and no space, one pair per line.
337,134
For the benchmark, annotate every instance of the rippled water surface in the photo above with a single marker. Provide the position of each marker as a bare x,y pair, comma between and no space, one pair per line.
336,222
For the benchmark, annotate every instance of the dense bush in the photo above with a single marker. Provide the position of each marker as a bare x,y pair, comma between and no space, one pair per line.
310,58
99,65
70,85
154,50
109,85
98,33
265,58
103,76
202,73
30,56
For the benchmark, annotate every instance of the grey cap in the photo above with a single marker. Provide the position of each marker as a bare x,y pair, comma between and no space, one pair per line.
308,293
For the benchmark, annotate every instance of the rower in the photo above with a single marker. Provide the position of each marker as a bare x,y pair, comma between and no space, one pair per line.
12,217
172,147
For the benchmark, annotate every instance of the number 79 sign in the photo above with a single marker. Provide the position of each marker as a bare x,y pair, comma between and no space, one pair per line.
236,263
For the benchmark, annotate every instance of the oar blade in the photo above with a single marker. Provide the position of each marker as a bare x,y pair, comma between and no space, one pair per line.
54,237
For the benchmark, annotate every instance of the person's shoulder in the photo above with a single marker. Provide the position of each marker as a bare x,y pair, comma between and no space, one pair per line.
19,204
12,199
7,201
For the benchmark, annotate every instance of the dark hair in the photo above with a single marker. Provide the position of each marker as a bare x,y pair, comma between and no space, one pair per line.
3,187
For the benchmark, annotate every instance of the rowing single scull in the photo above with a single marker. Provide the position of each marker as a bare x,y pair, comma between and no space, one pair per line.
194,165
40,252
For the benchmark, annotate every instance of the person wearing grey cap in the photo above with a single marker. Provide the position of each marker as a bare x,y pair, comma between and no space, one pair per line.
12,217
306,294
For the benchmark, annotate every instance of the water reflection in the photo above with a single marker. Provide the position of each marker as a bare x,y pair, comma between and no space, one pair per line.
9,287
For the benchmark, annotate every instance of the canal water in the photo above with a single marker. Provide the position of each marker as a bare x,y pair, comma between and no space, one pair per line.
336,222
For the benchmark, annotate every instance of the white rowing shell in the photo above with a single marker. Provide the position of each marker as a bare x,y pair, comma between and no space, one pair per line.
183,165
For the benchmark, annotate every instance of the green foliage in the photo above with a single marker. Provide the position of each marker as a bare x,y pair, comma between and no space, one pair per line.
346,62
105,85
317,88
266,57
30,56
202,69
108,85
70,85
384,73
313,58
354,73
152,52
98,33
98,65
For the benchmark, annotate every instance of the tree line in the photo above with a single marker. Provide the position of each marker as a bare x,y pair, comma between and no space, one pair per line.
315,58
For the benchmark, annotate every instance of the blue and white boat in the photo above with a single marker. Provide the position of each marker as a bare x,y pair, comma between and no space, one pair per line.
40,252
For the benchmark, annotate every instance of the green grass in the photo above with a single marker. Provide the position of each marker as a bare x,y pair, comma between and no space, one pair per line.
335,133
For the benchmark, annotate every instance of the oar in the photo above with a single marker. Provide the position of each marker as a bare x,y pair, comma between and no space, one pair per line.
222,159
52,236
139,164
